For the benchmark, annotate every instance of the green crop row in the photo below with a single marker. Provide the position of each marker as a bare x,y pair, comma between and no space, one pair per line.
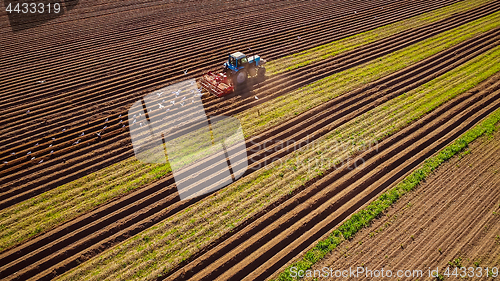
157,250
364,217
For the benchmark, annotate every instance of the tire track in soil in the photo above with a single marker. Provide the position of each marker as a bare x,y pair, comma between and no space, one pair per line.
353,57
280,237
103,97
167,196
461,199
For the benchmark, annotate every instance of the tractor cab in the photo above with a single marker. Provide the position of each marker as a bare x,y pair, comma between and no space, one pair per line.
236,61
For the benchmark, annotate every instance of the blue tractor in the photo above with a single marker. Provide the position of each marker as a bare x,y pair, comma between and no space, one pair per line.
240,67
237,70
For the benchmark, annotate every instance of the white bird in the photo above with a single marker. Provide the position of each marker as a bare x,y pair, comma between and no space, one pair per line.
120,116
36,144
135,120
183,98
159,94
185,71
83,133
140,124
64,129
76,142
172,102
182,103
33,158
149,110
53,138
192,101
41,81
106,120
98,134
140,114
50,145
298,37
256,98
5,162
40,161
355,12
13,153
135,115
168,109
177,92
104,127
52,151
161,106
120,121
29,152
28,112
123,125
192,82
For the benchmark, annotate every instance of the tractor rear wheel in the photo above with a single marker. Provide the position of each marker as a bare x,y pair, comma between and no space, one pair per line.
240,77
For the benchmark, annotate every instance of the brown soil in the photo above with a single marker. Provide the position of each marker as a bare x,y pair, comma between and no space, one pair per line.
454,214
90,234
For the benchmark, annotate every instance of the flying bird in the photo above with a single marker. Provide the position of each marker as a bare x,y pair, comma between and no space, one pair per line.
185,71
159,94
83,133
98,134
161,106
172,102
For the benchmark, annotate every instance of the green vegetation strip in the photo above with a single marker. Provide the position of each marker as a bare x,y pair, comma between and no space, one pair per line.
42,213
364,217
269,114
350,43
158,249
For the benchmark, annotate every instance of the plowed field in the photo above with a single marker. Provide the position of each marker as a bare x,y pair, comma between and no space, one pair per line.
64,117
